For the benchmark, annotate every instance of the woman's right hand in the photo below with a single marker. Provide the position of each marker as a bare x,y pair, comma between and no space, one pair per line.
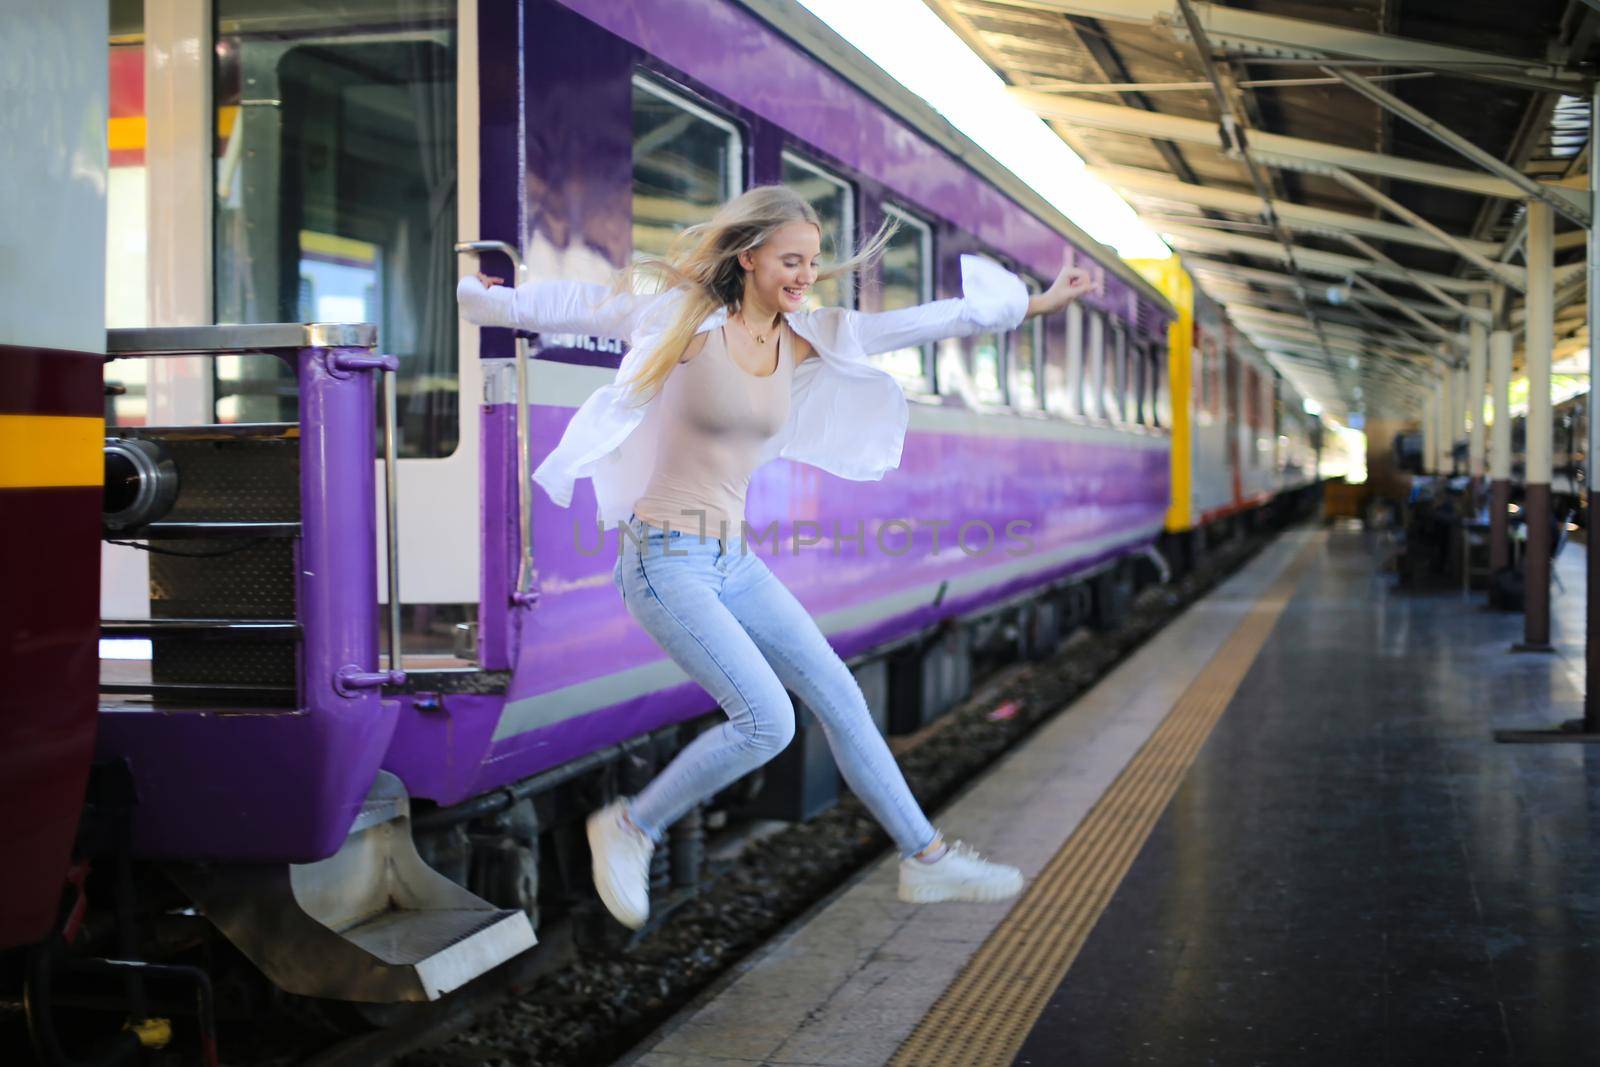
1069,285
484,301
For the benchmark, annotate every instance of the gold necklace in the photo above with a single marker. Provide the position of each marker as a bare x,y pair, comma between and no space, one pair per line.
761,338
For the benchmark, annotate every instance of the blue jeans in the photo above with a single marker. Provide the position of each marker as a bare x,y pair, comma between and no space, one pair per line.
723,616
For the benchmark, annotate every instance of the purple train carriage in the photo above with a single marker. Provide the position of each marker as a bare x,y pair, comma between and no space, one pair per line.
360,679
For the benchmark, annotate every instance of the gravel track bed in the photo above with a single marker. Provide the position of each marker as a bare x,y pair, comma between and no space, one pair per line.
593,1011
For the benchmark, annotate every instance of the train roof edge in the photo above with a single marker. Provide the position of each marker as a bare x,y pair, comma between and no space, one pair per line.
811,33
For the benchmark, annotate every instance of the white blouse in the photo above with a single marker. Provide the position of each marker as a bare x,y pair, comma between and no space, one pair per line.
847,416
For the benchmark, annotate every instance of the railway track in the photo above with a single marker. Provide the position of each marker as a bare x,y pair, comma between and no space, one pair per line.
557,1007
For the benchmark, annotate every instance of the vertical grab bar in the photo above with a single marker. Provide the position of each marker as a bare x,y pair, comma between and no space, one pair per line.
350,679
391,503
523,594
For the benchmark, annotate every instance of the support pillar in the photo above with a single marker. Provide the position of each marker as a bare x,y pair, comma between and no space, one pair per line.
1442,423
1477,367
1586,729
1458,412
1499,449
1428,450
1591,698
1540,338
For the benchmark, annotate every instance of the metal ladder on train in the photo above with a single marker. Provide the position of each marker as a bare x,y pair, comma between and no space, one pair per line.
219,508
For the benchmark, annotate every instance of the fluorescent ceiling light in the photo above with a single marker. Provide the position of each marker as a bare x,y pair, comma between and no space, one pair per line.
918,50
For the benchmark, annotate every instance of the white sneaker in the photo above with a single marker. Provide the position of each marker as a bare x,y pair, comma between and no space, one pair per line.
621,865
960,874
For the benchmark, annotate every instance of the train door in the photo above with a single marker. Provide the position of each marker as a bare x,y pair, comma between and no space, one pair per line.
1209,434
331,168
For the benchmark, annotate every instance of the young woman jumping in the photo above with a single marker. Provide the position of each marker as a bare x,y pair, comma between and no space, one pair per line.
726,370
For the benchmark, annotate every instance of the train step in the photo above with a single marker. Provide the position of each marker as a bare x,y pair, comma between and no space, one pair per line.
209,530
371,923
215,629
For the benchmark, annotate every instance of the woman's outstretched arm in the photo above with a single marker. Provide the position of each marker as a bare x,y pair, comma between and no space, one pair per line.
992,299
551,306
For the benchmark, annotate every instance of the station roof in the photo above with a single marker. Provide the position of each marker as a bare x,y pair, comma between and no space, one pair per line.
1380,234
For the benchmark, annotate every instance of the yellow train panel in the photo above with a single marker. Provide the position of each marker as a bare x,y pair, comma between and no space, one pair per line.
1175,284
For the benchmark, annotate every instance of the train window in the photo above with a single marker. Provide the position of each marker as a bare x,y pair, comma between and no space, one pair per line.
1160,387
1094,367
1210,375
835,204
1152,383
1027,348
1127,357
1228,379
986,367
1138,376
906,271
1064,390
1116,373
687,161
336,196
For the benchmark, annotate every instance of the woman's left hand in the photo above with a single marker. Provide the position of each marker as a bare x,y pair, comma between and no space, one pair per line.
1069,285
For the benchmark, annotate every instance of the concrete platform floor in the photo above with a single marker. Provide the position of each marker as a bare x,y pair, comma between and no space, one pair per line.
1351,870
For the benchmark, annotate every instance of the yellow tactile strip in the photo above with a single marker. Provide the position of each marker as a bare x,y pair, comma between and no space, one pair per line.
989,1009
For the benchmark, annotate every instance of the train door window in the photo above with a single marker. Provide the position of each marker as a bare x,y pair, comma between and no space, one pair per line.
906,273
1027,351
336,195
834,201
1094,367
687,161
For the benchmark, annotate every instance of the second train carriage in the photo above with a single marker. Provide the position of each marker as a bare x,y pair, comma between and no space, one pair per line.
1241,437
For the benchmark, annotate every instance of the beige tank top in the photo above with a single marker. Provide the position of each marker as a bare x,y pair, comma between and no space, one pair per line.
716,416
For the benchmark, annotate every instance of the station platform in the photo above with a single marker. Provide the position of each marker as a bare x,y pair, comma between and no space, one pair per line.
1281,832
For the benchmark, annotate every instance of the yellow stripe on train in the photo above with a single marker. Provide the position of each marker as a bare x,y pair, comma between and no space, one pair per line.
48,451
1175,284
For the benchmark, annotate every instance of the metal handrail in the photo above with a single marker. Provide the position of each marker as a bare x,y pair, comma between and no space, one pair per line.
243,337
391,504
524,590
218,340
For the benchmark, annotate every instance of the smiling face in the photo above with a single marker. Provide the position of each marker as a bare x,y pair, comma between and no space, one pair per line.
782,270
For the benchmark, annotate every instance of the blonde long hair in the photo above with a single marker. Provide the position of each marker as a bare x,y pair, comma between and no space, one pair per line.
703,260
